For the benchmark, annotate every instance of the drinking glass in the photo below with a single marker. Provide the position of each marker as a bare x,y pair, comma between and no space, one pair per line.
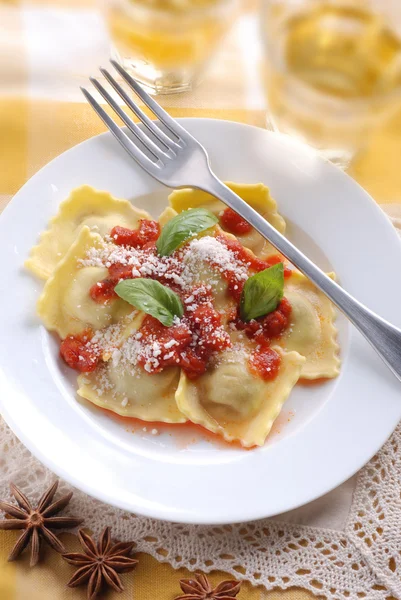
333,69
165,44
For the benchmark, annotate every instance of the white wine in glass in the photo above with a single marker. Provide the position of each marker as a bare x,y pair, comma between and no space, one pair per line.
166,44
333,69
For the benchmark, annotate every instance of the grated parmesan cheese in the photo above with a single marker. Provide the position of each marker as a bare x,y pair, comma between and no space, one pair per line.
182,269
209,250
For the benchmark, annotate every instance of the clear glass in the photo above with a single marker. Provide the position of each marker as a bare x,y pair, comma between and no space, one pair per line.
165,44
332,70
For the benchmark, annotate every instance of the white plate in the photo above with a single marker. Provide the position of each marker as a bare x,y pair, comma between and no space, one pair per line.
326,432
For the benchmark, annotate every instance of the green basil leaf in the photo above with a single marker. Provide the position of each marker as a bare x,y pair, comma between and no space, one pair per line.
182,227
262,293
151,297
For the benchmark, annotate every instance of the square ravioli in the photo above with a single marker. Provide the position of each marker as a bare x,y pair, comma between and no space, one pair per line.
85,206
65,305
312,332
191,318
119,385
234,402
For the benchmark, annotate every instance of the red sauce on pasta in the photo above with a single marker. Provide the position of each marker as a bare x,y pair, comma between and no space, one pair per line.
192,341
246,256
266,328
78,354
265,362
148,231
234,223
188,345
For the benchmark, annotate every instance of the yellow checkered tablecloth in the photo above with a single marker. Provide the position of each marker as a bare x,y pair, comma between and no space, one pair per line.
46,51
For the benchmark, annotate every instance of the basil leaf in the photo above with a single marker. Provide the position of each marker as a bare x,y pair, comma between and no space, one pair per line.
262,293
183,226
151,297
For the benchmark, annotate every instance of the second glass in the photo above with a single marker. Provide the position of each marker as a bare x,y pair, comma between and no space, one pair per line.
165,44
333,69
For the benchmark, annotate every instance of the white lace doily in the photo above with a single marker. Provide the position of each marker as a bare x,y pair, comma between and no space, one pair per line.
361,560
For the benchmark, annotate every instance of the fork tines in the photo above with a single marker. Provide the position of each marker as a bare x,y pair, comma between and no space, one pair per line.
155,146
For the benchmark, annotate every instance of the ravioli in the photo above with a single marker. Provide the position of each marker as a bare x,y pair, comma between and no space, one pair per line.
204,271
311,332
65,305
232,402
145,370
85,206
256,195
166,216
133,394
129,390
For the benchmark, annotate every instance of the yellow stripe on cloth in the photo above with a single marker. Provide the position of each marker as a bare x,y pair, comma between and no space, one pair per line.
63,125
8,3
378,167
24,125
75,4
151,580
7,570
13,144
156,581
13,111
47,581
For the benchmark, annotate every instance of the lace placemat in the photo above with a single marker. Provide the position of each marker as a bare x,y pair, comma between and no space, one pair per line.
355,554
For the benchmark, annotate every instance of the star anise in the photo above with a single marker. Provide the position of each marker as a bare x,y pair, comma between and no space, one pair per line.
201,589
100,563
37,522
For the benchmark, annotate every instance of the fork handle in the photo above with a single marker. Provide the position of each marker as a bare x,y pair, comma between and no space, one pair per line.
384,337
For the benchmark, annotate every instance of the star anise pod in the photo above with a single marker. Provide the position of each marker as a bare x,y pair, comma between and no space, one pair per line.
37,522
201,589
100,563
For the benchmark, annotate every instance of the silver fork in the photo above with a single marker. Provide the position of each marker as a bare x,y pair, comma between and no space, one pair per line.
175,158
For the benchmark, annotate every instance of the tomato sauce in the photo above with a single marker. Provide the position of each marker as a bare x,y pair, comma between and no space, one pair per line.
274,260
275,323
103,292
247,257
265,362
195,339
192,342
148,231
118,271
234,223
266,328
144,237
78,355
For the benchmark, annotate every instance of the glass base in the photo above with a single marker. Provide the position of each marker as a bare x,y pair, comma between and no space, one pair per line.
157,82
